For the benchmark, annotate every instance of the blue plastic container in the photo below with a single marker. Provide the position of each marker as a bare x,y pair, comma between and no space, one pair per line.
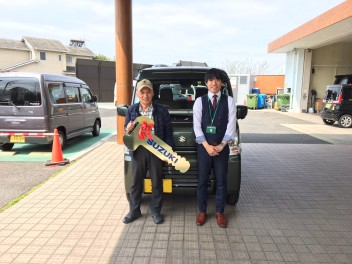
261,100
255,90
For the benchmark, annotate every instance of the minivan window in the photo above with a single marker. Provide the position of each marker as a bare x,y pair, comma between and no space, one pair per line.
57,93
20,92
72,94
86,95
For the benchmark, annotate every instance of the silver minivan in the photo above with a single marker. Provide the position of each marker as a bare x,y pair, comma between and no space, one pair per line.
32,105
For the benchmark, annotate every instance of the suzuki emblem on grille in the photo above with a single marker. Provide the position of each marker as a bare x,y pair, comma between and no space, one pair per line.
182,139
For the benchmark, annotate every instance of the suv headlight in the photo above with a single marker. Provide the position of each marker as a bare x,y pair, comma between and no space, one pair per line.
235,146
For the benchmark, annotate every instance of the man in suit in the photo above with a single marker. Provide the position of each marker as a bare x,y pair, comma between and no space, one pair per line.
214,117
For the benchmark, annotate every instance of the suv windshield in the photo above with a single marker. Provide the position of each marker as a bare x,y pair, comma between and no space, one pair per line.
20,92
178,95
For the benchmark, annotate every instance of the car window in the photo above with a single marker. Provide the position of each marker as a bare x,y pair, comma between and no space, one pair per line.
344,81
179,94
86,95
347,93
332,93
57,93
176,95
72,93
20,92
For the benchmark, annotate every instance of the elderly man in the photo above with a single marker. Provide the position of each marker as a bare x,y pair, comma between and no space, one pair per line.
142,159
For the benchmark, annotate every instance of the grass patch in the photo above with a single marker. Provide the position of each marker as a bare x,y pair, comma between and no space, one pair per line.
16,200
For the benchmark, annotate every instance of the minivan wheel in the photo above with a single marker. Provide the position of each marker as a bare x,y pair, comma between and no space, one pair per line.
232,198
7,146
328,122
96,128
345,121
62,138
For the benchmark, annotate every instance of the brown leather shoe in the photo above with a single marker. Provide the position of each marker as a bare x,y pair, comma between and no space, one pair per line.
221,220
201,218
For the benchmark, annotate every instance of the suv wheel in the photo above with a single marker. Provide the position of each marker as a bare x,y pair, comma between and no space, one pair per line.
232,198
6,146
328,122
345,121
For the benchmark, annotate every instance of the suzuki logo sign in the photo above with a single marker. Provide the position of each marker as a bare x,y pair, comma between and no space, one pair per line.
182,139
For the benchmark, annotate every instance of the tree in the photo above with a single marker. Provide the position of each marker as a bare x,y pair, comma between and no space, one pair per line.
101,57
246,66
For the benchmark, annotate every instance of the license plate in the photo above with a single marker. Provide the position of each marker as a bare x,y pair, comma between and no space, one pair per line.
167,185
17,139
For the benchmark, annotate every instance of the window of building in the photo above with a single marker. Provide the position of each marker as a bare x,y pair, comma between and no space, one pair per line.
243,79
68,59
42,55
60,57
71,69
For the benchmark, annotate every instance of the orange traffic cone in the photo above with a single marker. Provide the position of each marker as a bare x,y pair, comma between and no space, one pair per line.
56,153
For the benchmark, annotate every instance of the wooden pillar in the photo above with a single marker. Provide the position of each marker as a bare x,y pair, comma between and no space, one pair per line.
124,64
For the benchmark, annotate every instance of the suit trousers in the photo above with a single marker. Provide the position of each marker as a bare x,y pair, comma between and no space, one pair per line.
144,161
220,168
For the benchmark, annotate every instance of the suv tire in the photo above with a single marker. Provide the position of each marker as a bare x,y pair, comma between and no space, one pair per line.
232,199
345,121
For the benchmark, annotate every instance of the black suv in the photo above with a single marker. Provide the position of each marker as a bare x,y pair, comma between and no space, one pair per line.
337,103
177,88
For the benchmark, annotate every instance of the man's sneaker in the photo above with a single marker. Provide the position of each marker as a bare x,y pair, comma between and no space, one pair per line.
131,216
157,218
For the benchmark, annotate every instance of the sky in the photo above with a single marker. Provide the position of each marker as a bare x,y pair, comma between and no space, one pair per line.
165,32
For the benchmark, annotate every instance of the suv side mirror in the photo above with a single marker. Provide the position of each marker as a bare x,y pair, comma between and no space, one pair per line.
242,111
94,99
122,110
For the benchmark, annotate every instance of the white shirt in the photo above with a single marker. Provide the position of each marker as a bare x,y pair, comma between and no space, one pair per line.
197,118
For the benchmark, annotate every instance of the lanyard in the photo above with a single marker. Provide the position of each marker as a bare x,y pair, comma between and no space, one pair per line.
216,109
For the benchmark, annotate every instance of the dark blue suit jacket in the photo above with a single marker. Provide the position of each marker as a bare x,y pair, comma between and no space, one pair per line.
162,121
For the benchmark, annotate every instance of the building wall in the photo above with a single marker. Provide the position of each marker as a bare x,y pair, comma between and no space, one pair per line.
50,65
269,83
11,57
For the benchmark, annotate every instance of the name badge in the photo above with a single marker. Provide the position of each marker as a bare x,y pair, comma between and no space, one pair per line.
211,130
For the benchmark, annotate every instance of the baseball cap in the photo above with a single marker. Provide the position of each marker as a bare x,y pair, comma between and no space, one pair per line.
144,84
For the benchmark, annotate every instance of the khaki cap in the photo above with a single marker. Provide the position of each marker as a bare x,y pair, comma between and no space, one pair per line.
144,84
